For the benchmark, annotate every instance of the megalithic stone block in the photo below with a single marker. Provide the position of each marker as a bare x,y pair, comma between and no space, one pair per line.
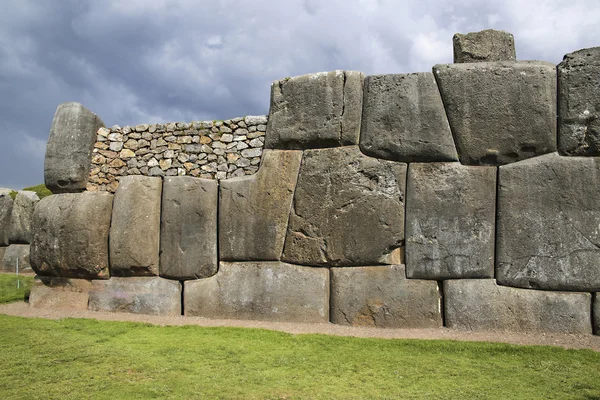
548,218
135,227
450,221
6,206
500,112
579,104
315,110
70,235
60,293
254,210
481,305
2,251
188,239
13,254
383,297
272,291
348,209
136,295
22,213
69,148
484,46
404,119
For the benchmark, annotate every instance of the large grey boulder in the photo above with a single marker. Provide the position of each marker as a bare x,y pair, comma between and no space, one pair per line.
578,104
315,110
22,213
500,112
135,227
484,46
12,254
70,235
481,305
548,218
136,295
188,232
6,206
596,314
69,148
254,210
271,291
383,297
60,293
348,209
450,221
2,251
404,119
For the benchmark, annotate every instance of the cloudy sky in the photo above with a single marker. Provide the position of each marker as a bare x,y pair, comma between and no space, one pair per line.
144,61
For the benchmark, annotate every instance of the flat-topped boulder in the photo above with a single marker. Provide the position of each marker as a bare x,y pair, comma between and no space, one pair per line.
60,293
15,254
22,213
484,46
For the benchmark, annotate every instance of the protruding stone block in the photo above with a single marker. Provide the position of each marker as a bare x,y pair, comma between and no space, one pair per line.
383,297
548,219
404,119
12,254
6,206
500,112
481,305
271,291
315,110
484,46
579,104
254,210
348,209
70,235
188,239
60,293
22,214
146,295
69,148
450,221
135,227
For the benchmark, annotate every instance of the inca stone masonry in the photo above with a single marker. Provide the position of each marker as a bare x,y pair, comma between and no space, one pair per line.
465,197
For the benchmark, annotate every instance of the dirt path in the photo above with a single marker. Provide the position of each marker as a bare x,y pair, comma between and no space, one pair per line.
561,340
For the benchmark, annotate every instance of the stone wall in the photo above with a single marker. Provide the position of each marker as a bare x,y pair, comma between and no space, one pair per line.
444,198
15,229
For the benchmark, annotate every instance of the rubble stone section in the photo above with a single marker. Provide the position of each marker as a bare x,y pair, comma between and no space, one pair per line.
270,291
135,227
139,295
6,206
348,209
69,148
484,46
500,112
404,119
450,221
548,218
254,210
204,149
60,293
316,110
382,297
482,305
70,235
188,231
578,103
14,252
22,213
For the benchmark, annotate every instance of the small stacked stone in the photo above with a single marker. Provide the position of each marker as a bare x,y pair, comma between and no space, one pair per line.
204,149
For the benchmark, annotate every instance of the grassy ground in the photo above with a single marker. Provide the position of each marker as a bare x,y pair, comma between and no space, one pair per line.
41,190
77,359
10,292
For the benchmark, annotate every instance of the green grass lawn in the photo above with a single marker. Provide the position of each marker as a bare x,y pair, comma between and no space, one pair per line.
78,359
10,291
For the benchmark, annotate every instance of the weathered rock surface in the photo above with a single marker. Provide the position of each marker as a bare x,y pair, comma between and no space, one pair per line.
13,253
272,291
500,112
6,206
578,103
484,46
57,293
315,110
548,218
450,221
404,119
137,295
481,305
2,251
254,210
69,148
596,314
383,297
135,227
22,213
348,209
70,235
188,238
